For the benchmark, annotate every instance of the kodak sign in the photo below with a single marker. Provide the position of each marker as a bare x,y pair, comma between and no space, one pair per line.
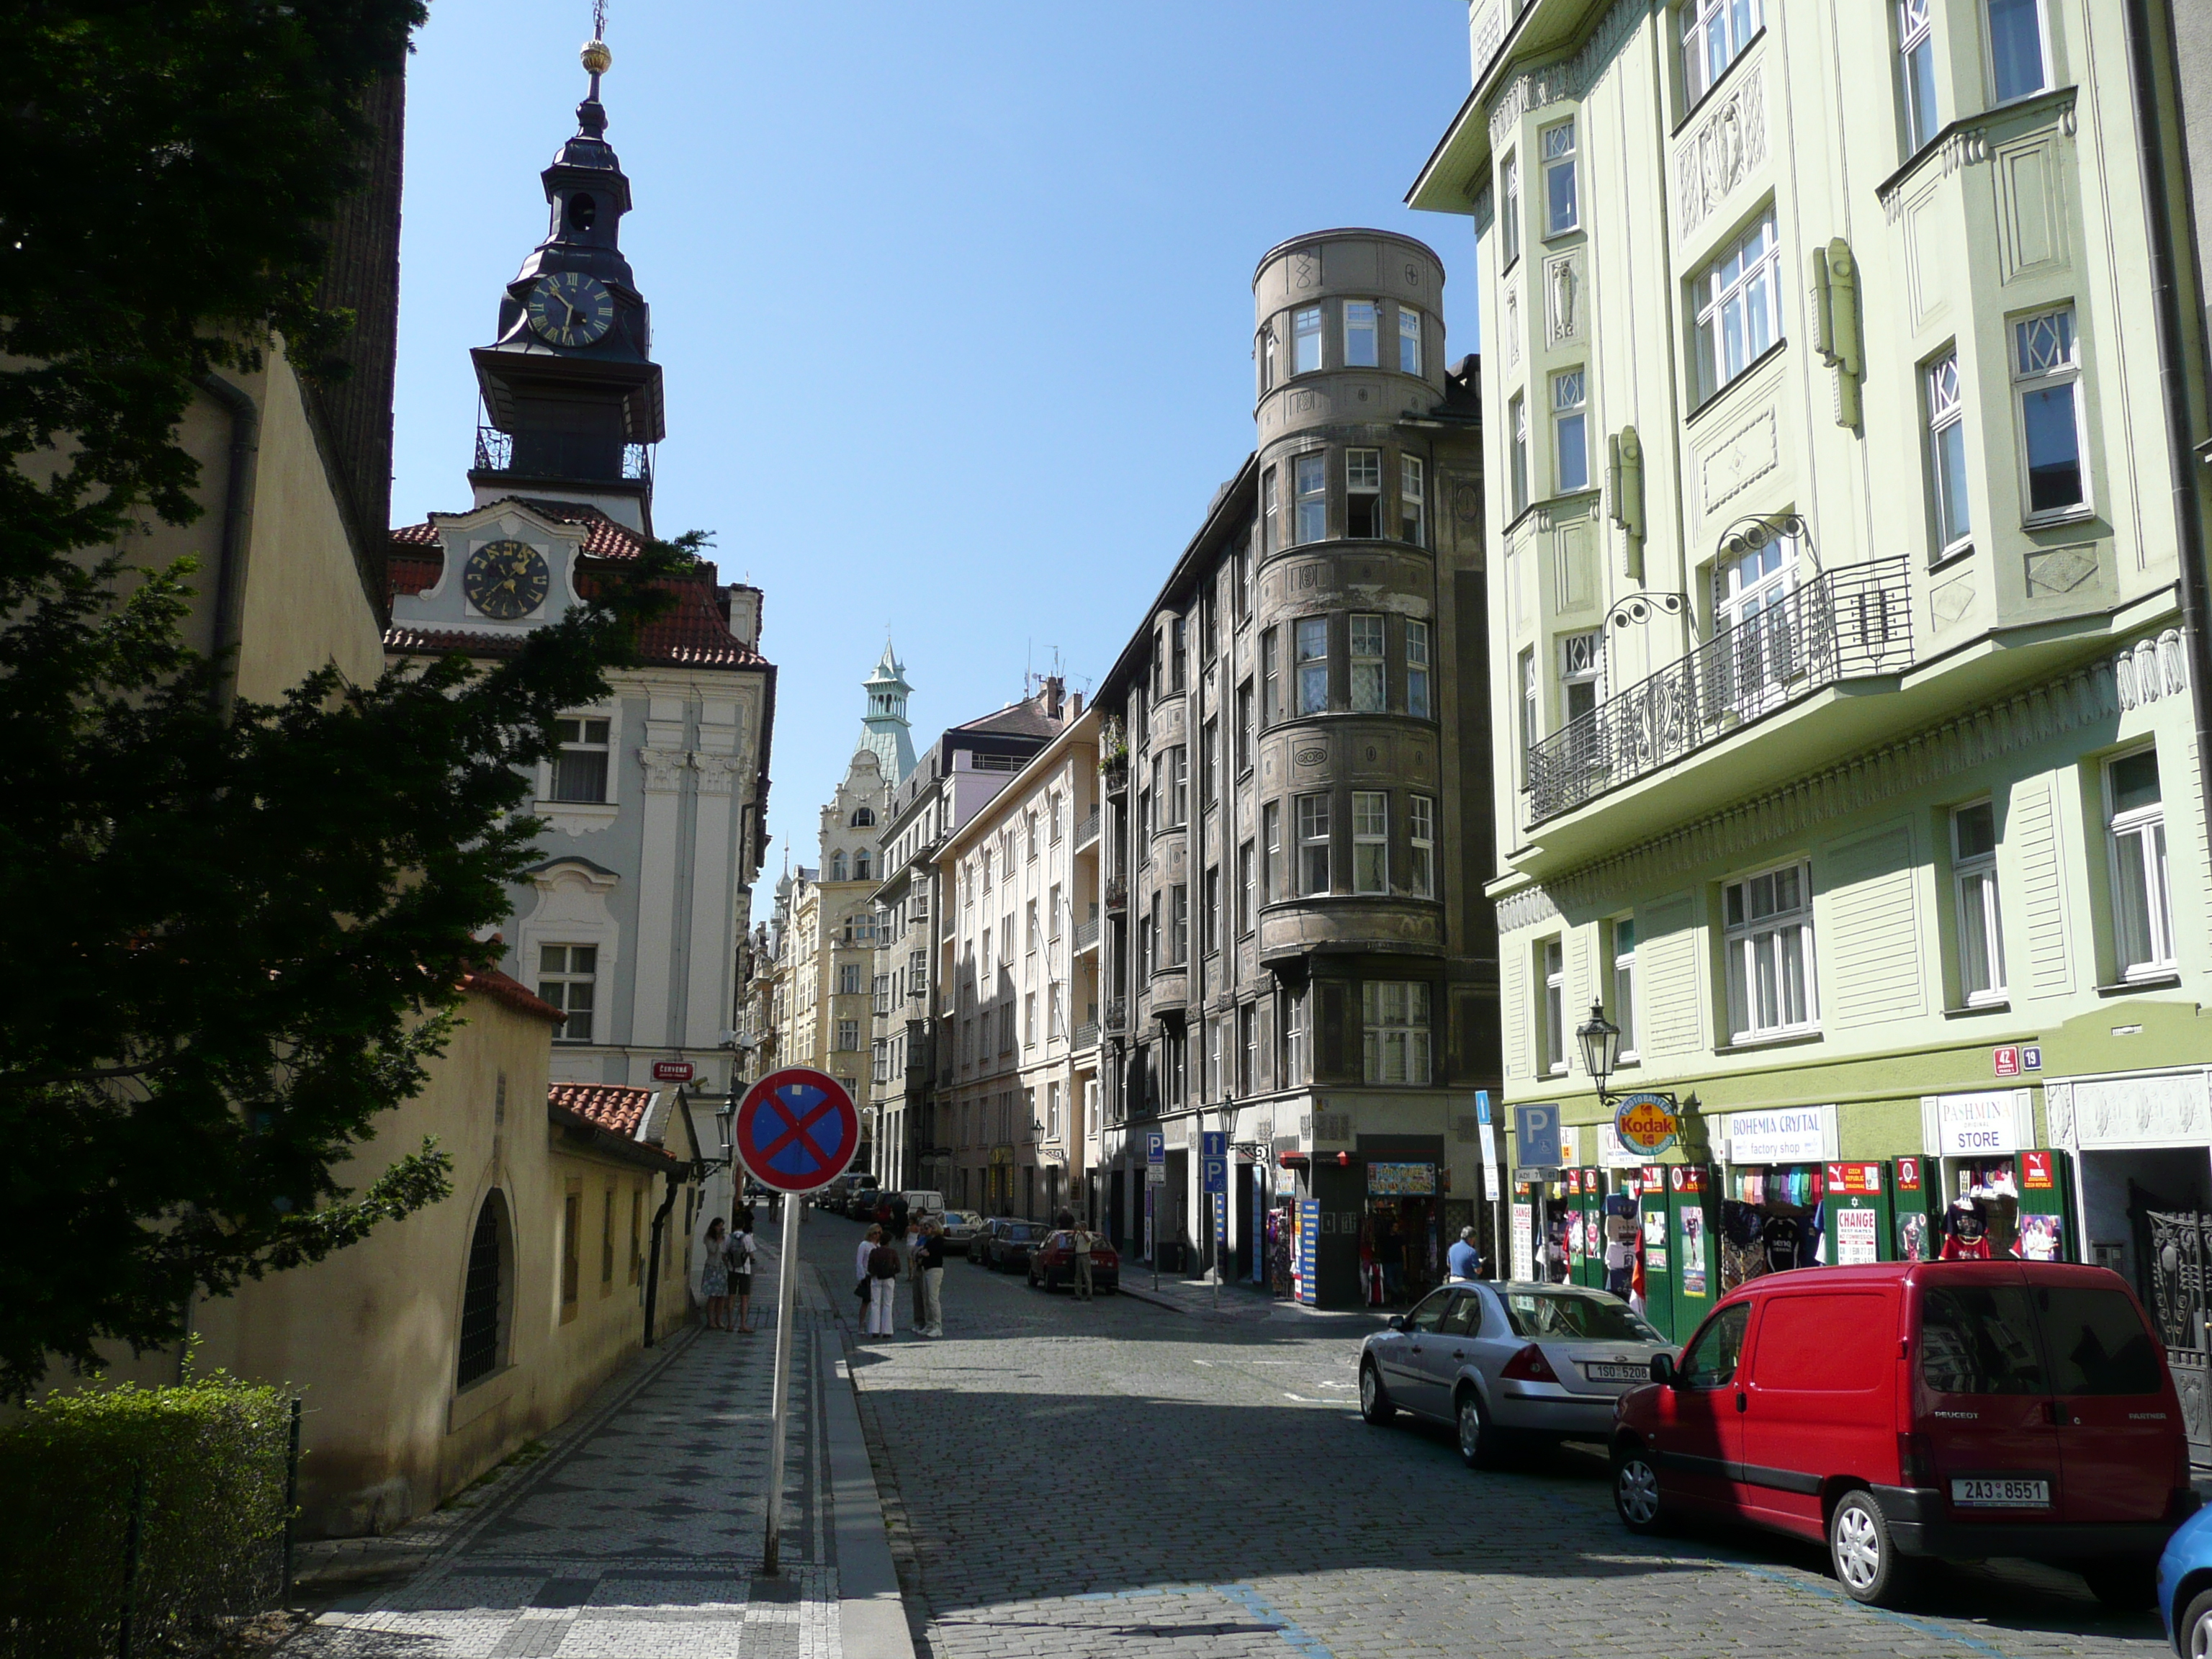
1647,1124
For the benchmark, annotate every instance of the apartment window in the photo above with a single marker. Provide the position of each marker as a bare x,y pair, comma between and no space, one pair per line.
1946,455
987,872
1562,210
1409,340
1266,359
1371,842
837,866
636,1228
1171,787
1294,1036
1271,513
1305,340
1310,482
1417,670
1178,654
1244,728
986,957
848,979
580,770
1271,699
1245,878
2142,916
1421,846
566,976
1030,824
1582,674
1209,769
1531,723
1739,307
1553,1037
1366,633
1271,850
863,863
1916,49
1769,923
1051,913
848,1036
1570,431
1360,342
1036,930
1248,1048
1624,984
1210,912
1243,579
1209,627
1508,215
2047,378
1516,423
1029,1031
882,1058
1312,652
1007,1027
1412,501
572,1245
1178,939
1313,844
1974,878
883,993
1363,494
1146,825
1058,812
1151,941
1714,34
1007,938
2016,66
1394,1014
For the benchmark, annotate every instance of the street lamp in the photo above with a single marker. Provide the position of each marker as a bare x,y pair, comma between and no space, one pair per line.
724,1116
1601,1046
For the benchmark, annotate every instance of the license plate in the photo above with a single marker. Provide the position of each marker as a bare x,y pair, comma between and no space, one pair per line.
1603,1373
2002,1494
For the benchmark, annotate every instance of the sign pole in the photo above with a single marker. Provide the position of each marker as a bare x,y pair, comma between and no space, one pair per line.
787,1305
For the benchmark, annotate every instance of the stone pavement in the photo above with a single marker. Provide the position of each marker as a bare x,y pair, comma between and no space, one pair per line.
640,1534
1110,1478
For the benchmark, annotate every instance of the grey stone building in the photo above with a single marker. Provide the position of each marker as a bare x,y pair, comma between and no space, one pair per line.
1299,953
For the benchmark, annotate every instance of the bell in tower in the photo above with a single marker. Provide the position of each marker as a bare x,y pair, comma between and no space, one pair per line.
571,394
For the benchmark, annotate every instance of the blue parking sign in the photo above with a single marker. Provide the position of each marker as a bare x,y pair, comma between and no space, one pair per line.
1156,1146
1537,1137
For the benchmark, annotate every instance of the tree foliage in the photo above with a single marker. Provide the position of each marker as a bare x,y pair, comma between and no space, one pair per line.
236,933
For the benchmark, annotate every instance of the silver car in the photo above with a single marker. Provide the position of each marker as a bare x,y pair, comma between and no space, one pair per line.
1507,1363
961,1227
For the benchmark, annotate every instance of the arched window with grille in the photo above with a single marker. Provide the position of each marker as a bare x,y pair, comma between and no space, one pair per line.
487,1293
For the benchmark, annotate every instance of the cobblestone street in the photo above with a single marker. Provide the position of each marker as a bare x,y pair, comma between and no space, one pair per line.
1124,1479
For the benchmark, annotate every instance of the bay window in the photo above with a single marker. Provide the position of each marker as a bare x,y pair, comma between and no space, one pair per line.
1309,483
1312,650
2047,375
1421,846
1946,456
1739,307
1371,842
1359,340
1417,670
1313,845
1366,655
1305,340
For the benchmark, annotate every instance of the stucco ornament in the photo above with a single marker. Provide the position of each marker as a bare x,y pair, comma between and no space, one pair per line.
1727,144
664,768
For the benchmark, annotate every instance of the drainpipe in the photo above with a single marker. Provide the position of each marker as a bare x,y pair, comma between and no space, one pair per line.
2189,528
237,525
652,1272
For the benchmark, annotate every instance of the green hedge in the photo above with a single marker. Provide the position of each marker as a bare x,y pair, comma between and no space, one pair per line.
212,1456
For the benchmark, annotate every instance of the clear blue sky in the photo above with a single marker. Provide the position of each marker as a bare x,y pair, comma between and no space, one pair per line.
954,301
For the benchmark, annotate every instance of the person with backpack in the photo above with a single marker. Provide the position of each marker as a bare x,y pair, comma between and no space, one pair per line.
882,1286
743,1248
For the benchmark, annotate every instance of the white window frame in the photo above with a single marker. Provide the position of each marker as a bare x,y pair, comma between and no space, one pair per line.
1313,842
1508,195
1310,666
562,982
1571,469
1421,846
1409,340
1271,512
2035,10
1974,889
1310,497
2034,372
1783,936
1557,143
1621,938
1916,35
848,979
1394,1035
1275,868
848,1036
1552,964
1517,427
1753,294
1412,500
1532,726
1950,508
1582,675
1362,317
1305,340
1417,670
2144,829
1371,842
1727,24
1367,655
593,735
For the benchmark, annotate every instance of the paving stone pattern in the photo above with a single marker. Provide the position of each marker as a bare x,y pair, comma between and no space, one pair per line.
639,1537
1115,1478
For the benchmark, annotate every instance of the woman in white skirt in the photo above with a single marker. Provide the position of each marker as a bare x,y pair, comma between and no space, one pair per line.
865,1288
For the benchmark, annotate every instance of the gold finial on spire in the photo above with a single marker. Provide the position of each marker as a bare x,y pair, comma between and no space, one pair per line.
597,59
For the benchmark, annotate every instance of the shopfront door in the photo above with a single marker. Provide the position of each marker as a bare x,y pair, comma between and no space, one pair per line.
1917,1229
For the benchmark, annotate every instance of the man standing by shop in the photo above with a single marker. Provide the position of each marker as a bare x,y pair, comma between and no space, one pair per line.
1081,1242
929,1279
1464,1260
896,1232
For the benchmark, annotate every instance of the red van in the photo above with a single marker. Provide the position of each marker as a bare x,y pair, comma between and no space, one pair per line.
1905,1410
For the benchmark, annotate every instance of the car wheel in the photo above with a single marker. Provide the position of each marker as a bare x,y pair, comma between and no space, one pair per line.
2193,1634
2126,1584
1864,1556
1635,1491
1374,1400
1478,1438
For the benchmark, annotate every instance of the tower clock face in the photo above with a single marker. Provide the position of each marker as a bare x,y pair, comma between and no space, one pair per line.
568,308
506,580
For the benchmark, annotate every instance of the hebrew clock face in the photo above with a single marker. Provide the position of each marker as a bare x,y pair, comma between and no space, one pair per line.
569,308
506,580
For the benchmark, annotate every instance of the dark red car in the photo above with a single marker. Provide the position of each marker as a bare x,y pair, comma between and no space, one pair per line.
1907,1410
1052,1263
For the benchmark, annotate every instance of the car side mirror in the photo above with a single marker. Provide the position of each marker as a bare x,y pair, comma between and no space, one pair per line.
1662,1368
1397,1321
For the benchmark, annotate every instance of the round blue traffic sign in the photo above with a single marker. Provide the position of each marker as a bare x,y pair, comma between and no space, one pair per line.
796,1130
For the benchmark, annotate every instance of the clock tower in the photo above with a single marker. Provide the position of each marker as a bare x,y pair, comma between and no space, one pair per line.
572,397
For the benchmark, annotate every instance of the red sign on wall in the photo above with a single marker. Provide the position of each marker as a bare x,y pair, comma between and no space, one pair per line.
1908,1175
1856,1178
2006,1060
671,1071
2035,1171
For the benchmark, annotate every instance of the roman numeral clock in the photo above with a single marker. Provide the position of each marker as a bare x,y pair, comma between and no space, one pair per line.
570,308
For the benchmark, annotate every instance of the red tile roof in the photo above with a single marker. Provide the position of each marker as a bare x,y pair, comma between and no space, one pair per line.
490,982
413,573
617,1108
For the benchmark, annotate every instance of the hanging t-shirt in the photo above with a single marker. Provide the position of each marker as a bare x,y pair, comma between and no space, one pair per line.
1780,1236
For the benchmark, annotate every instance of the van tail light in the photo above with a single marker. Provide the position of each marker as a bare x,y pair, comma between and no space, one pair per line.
1529,1366
1916,1463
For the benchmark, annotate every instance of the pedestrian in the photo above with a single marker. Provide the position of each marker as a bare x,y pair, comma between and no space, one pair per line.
714,1275
866,1289
1390,1250
1464,1260
883,1281
740,1255
929,1279
1081,1243
897,1217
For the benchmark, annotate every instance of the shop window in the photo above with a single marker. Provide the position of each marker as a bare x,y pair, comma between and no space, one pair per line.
1421,846
1974,879
1309,483
2047,383
580,769
1313,844
1768,918
1305,340
1623,1012
1371,842
1360,339
2142,919
1312,665
1363,494
1394,1016
1417,670
1366,657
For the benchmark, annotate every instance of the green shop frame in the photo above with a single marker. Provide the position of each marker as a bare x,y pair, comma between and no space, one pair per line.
1861,1214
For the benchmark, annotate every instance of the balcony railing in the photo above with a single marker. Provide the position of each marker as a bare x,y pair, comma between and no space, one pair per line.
576,455
1086,935
1087,831
1851,623
1117,894
1117,1014
1086,1036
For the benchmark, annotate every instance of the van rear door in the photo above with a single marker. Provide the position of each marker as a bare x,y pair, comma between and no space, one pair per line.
2119,1423
1982,1418
1821,1400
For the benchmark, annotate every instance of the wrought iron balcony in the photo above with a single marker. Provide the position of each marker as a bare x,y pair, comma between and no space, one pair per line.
1086,935
1087,831
1851,623
579,456
1086,1036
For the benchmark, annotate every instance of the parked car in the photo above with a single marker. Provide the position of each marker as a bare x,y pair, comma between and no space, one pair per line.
1052,1263
960,1228
1006,1248
923,1202
1509,1365
861,1199
1908,1410
2184,1587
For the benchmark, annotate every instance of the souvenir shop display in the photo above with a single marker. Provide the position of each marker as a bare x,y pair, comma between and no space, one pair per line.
1679,1208
1620,1235
1772,1221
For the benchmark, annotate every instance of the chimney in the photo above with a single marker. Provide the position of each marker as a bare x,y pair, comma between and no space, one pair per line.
1054,689
1075,706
